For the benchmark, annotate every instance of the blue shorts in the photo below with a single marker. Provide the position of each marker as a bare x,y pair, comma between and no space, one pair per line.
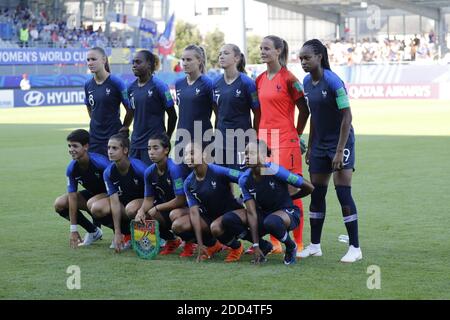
205,216
233,160
99,147
86,194
164,214
141,154
321,161
292,212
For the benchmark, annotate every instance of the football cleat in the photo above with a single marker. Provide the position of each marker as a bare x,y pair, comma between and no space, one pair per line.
353,254
311,250
90,238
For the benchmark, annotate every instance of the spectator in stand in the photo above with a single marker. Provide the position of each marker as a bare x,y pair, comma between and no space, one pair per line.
24,35
25,83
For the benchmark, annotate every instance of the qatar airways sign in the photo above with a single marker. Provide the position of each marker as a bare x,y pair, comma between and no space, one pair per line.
393,91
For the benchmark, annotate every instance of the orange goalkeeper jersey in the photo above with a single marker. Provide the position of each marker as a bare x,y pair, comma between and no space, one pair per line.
277,99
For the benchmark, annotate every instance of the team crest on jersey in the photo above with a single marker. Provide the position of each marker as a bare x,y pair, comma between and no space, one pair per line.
169,182
108,91
324,93
279,88
197,91
136,181
214,184
272,185
97,174
238,93
149,93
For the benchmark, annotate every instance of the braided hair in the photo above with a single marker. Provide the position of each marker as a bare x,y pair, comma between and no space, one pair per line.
319,48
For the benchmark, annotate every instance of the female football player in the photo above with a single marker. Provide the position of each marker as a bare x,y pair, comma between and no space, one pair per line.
331,150
103,95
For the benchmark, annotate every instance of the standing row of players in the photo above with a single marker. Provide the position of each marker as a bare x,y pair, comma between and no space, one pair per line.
232,97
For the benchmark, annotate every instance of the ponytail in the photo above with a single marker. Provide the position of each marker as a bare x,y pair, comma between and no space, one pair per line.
319,48
279,43
283,58
107,68
240,66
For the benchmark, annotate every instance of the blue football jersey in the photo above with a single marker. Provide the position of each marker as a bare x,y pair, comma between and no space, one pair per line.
234,102
130,186
149,103
195,103
325,100
213,193
166,186
271,191
104,102
92,178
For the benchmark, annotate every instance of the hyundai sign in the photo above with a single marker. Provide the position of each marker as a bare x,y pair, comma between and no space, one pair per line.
6,98
49,97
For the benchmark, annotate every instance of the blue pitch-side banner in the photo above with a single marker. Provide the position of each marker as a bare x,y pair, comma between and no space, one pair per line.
77,80
49,97
32,56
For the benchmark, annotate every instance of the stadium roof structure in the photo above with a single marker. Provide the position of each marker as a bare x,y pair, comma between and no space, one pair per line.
336,11
332,10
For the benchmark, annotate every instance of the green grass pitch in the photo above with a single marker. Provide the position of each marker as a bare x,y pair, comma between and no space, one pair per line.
400,188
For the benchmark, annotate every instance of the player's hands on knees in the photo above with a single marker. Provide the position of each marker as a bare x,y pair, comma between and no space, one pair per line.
258,256
140,217
75,239
338,160
118,241
307,155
